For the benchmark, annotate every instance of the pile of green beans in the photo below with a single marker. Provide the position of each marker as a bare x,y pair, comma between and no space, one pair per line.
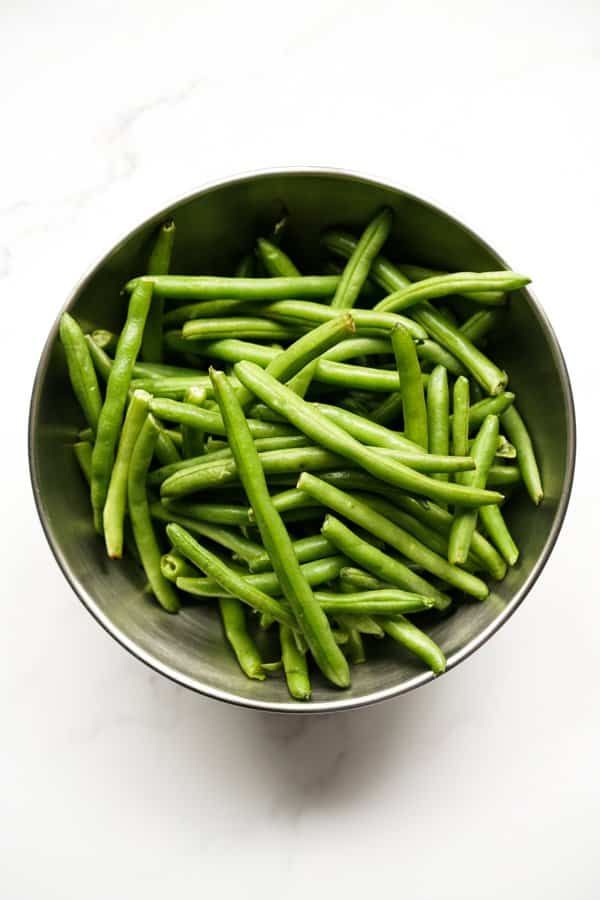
324,456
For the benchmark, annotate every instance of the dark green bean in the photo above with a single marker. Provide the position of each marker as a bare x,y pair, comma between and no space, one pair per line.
83,455
518,434
193,438
81,370
481,323
351,377
158,264
213,287
357,268
490,406
388,410
311,619
139,514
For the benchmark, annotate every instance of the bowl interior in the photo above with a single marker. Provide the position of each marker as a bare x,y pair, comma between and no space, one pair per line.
214,228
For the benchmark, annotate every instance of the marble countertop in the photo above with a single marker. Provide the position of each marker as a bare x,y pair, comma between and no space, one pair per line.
116,783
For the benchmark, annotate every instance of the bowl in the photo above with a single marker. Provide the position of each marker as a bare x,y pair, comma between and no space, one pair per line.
215,226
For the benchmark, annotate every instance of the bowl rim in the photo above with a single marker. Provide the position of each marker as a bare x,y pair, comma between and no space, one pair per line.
291,706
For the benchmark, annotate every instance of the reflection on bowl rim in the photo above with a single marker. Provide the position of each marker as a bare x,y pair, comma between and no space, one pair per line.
347,702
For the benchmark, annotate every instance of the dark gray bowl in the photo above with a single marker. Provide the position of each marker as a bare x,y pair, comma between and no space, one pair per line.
214,227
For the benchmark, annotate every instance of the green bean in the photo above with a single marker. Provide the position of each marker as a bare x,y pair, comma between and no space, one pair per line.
302,380
460,416
210,458
379,602
426,535
490,406
205,309
209,420
317,427
275,261
458,282
212,287
464,523
370,293
357,268
438,411
430,352
193,438
415,640
173,386
165,451
111,414
503,476
226,577
139,514
518,434
419,273
204,476
376,561
240,326
413,398
215,513
403,541
116,498
173,566
81,370
316,572
83,455
505,449
311,619
153,371
354,648
299,312
497,530
227,349
106,340
367,431
225,537
486,373
158,264
236,632
354,347
351,377
287,501
294,665
305,549
388,410
480,324
355,580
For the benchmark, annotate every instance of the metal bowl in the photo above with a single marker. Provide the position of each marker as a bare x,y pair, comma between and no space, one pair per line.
215,226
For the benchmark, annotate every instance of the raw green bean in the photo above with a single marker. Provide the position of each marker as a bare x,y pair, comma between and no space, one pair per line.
211,457
193,438
370,293
208,420
414,409
458,282
460,416
111,414
165,451
376,561
415,640
173,566
481,323
330,436
311,619
518,435
379,602
154,371
430,352
490,406
505,449
357,268
299,312
213,287
316,572
351,377
355,580
403,541
158,264
294,665
367,431
174,387
497,530
306,550
236,632
206,309
225,537
486,373
215,513
302,380
81,370
139,514
276,262
227,349
419,273
106,340
225,576
355,347
438,411
483,451
83,455
287,501
503,476
355,649
240,326
116,498
388,410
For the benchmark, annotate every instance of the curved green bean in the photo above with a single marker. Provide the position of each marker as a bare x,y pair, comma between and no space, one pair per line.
158,264
415,640
414,409
518,435
367,321
497,530
240,326
366,378
214,287
246,652
357,268
294,665
117,388
139,515
431,352
311,619
388,410
457,283
276,262
81,370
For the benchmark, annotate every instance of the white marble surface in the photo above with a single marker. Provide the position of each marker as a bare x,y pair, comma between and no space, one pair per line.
115,783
